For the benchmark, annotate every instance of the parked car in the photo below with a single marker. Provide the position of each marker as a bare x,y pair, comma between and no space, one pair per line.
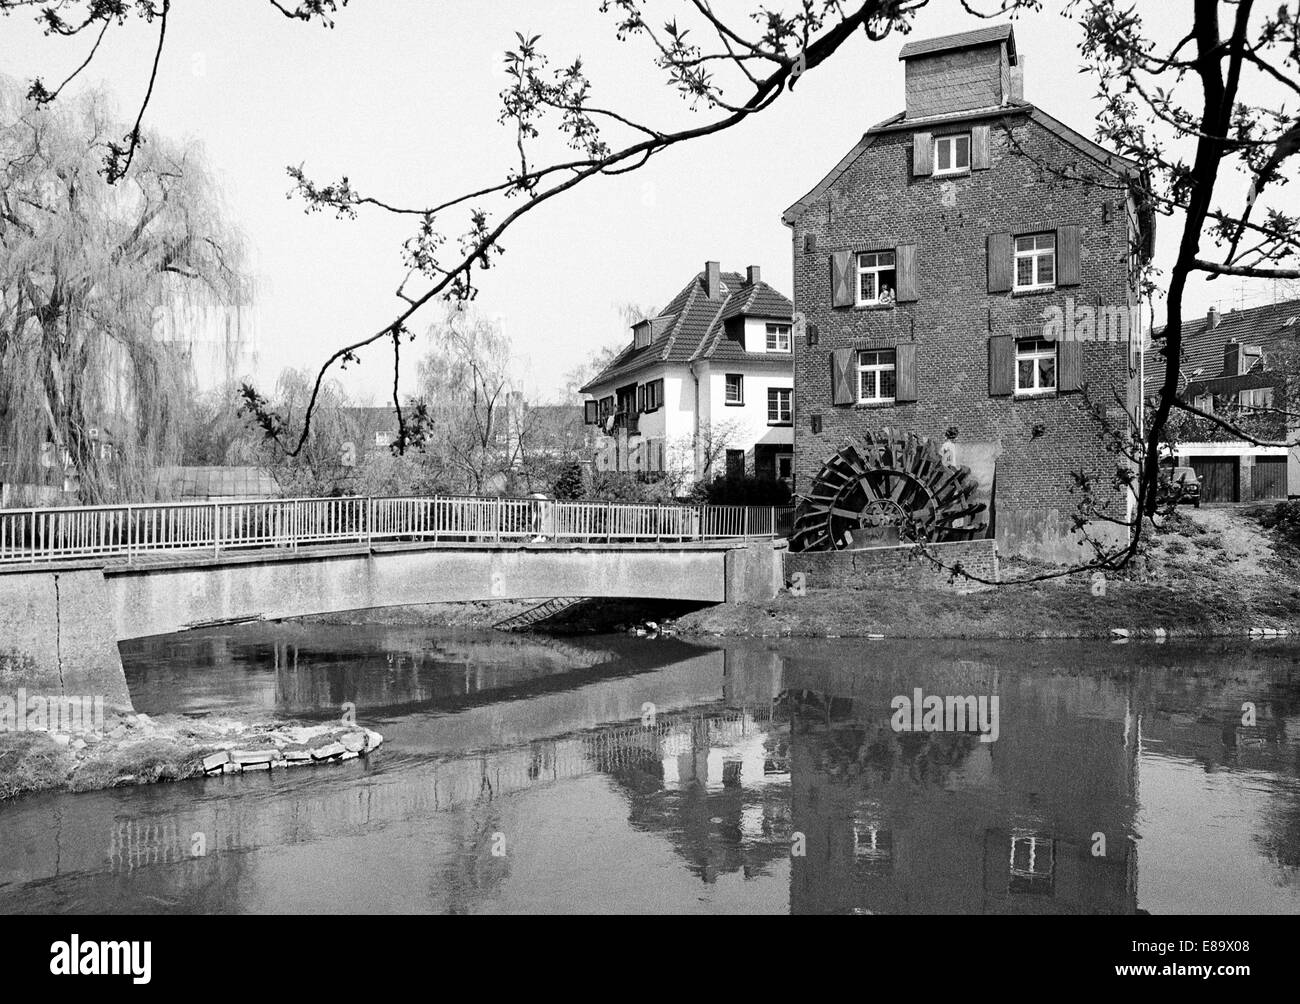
1180,487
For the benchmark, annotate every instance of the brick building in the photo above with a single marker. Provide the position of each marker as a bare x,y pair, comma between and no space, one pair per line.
927,267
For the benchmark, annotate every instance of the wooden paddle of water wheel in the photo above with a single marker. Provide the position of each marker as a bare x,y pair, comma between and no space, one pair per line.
891,487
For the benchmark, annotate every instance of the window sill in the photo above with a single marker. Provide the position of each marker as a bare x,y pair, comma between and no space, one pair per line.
1033,291
873,306
868,405
961,173
1034,395
733,404
780,425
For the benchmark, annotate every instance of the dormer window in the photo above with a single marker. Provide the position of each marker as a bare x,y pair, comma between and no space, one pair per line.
641,334
952,154
778,338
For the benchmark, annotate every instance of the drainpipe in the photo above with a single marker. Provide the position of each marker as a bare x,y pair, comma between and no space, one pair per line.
695,432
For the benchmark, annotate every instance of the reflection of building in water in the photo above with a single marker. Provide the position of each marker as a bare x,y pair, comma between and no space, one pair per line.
919,822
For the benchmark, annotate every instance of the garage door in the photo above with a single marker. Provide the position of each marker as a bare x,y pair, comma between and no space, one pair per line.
1218,478
1268,479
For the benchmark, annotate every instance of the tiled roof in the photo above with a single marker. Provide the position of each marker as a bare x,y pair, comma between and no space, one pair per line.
692,326
963,40
1202,347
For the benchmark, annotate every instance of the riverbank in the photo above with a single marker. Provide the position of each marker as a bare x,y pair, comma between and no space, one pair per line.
131,749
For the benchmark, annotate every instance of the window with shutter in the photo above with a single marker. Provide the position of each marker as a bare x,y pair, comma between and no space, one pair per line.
908,290
842,279
842,390
1002,366
922,154
1036,367
877,376
1068,264
999,262
905,377
1070,364
979,152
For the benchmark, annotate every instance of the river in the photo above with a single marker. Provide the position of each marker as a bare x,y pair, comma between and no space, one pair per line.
525,774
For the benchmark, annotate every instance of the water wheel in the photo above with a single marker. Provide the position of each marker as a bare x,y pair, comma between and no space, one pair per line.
889,487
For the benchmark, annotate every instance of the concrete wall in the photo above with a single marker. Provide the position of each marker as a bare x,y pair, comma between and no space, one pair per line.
55,638
889,567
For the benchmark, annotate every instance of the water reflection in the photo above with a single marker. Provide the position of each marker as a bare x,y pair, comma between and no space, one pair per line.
627,774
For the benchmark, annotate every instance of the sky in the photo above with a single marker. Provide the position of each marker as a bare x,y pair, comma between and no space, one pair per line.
402,98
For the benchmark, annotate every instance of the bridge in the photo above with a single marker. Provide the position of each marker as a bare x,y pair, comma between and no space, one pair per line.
75,581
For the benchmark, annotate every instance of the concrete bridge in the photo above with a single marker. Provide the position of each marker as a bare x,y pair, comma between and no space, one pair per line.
75,582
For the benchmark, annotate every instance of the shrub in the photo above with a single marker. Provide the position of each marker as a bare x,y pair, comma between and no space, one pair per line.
1284,518
738,490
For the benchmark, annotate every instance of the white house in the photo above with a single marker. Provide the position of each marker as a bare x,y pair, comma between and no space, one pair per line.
705,388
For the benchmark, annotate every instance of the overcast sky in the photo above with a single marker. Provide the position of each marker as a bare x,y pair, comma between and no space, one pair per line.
402,97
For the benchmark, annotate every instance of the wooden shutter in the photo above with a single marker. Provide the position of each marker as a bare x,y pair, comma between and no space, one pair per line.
842,373
842,294
979,148
1067,256
1002,366
590,412
905,263
999,252
1069,365
922,154
905,371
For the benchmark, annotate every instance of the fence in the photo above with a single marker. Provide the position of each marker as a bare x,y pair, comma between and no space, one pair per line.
43,535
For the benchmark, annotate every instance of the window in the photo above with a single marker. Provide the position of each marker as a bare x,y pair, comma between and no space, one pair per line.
778,338
1035,367
779,407
876,373
650,396
735,389
385,438
952,153
1257,397
606,407
785,466
641,334
877,278
1036,261
735,463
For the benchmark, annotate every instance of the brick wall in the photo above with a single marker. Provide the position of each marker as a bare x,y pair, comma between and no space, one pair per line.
877,204
874,568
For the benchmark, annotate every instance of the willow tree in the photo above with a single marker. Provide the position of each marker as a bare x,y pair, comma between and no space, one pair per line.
93,377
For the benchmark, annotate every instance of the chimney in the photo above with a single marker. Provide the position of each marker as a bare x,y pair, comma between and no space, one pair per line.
713,280
955,73
754,275
1231,358
1212,318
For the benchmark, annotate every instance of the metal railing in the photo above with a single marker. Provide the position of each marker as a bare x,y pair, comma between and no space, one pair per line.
35,536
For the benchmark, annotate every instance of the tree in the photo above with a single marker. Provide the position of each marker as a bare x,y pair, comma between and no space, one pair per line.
88,275
470,400
1212,102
